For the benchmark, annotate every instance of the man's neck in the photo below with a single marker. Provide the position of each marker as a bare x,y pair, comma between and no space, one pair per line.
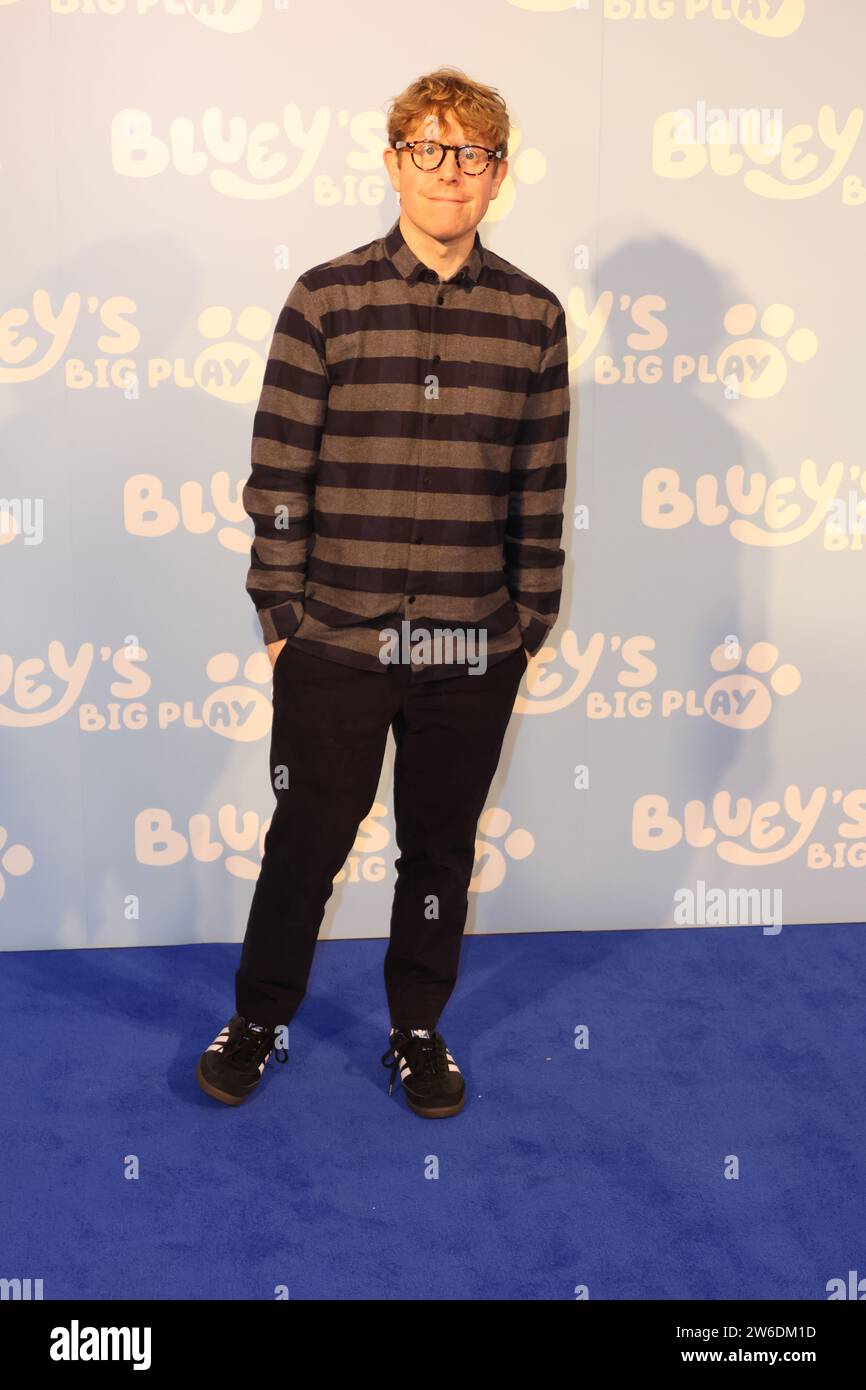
445,258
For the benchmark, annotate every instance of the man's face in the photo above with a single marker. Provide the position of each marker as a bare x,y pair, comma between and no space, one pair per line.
445,203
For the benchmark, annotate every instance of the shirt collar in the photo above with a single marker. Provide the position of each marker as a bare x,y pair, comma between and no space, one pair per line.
407,263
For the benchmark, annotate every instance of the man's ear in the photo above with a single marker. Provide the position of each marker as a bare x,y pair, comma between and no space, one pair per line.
391,160
499,179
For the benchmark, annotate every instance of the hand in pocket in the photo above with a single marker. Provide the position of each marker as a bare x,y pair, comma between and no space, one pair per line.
274,649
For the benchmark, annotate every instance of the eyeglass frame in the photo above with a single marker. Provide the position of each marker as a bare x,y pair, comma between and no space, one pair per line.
410,145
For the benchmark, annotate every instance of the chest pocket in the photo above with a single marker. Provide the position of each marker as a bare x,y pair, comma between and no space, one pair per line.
490,414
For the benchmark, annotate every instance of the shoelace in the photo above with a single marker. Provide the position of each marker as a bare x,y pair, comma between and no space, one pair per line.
426,1057
251,1045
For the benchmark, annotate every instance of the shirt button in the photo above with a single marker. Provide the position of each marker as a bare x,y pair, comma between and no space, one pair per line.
440,299
411,598
418,540
436,357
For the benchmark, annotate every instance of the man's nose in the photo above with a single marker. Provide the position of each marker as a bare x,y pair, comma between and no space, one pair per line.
449,168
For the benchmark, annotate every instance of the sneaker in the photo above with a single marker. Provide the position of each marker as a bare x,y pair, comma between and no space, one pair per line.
431,1078
231,1068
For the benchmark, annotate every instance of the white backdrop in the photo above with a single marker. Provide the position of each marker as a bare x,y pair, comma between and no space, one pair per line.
167,171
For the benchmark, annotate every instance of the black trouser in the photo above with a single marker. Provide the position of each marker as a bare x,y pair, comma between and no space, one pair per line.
330,725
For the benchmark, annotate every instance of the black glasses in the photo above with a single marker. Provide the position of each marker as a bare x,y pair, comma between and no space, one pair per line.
429,154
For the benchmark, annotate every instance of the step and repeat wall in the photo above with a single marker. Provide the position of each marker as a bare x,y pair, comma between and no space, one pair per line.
688,177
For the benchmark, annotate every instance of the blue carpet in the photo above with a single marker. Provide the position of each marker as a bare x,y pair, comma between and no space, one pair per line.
601,1167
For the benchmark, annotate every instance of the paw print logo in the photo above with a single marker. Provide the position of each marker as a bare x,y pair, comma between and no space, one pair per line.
236,18
230,369
239,712
787,19
524,166
742,699
519,844
760,368
14,859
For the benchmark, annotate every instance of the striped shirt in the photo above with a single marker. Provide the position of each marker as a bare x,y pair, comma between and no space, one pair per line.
409,458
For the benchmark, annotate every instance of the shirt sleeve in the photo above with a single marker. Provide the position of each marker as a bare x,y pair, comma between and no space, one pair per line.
532,551
278,495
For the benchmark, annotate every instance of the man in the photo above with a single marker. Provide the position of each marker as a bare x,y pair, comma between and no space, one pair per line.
408,467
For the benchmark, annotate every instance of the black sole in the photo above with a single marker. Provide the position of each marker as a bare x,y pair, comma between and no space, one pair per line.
211,1090
440,1112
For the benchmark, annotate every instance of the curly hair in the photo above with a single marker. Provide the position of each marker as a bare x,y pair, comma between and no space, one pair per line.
478,108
